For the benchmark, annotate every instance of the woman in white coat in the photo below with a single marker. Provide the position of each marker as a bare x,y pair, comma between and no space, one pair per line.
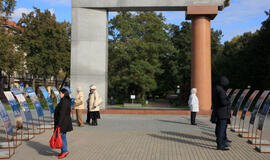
193,104
94,101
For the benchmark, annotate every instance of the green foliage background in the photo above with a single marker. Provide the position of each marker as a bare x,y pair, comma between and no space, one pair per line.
147,57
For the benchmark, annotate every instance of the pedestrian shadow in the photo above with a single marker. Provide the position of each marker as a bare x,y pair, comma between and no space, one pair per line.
208,134
161,120
189,136
203,126
42,149
183,140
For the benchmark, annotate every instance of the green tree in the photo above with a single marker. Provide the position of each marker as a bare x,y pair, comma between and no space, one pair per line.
246,60
178,65
7,8
138,42
46,42
11,59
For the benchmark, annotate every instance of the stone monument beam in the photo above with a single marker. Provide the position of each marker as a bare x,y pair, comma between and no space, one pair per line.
155,5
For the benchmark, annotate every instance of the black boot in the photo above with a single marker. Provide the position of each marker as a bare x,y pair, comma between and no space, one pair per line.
95,122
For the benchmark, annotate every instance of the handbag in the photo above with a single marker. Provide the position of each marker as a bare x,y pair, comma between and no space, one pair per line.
56,139
213,118
78,104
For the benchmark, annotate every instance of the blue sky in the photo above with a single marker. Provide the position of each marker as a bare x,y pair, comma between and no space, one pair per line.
241,16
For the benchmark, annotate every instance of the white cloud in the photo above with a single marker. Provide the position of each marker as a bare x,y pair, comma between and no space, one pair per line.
18,13
52,10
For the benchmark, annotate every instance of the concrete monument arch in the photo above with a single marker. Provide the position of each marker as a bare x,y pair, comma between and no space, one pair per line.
89,46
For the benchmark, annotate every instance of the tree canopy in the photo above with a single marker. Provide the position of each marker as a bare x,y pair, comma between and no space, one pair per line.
46,42
148,56
246,59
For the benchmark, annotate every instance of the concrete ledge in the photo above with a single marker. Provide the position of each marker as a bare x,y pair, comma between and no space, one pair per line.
132,105
263,149
257,141
5,145
249,135
4,154
148,111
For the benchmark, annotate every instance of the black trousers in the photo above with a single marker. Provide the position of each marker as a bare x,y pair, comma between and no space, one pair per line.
88,115
225,132
193,117
221,126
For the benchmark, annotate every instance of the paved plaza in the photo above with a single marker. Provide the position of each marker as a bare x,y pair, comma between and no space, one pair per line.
142,137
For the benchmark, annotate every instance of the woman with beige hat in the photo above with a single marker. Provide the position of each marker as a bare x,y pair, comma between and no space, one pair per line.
79,106
94,101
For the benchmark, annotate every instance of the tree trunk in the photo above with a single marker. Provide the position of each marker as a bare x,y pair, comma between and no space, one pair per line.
56,81
1,81
45,82
64,80
9,81
34,83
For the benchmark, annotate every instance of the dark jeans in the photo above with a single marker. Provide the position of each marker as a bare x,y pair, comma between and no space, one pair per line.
193,117
221,126
64,140
225,132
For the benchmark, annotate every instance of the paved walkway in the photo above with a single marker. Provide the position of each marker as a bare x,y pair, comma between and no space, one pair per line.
142,137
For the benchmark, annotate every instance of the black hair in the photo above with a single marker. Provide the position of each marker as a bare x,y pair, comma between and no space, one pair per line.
65,92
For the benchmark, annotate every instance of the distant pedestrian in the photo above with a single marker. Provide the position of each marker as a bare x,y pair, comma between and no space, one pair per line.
111,101
94,101
79,106
193,104
222,111
62,120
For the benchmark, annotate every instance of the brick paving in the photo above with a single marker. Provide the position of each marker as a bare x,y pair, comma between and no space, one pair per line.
143,137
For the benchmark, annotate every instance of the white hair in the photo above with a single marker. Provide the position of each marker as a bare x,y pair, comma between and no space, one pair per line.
79,89
193,91
93,87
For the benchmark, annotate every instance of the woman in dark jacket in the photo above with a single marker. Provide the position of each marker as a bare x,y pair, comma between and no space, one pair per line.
222,111
62,119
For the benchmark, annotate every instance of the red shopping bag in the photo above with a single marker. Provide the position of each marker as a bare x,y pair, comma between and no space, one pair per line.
56,140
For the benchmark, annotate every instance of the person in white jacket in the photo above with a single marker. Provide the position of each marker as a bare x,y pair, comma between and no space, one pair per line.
193,104
94,102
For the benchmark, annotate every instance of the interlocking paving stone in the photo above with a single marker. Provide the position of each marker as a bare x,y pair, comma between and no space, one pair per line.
143,137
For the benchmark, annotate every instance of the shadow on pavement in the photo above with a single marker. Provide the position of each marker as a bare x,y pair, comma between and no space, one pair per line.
42,149
183,138
190,136
209,134
172,121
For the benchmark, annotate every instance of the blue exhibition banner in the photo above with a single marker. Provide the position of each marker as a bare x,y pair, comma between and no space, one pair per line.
48,98
27,112
72,99
67,88
35,101
56,93
14,105
5,118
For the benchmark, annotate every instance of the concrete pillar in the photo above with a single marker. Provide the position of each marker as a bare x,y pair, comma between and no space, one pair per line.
201,53
201,60
89,50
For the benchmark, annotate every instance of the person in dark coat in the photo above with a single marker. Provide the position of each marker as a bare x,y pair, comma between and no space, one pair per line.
222,111
62,119
88,112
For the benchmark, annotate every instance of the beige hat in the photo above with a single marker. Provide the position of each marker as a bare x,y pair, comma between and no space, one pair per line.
93,86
